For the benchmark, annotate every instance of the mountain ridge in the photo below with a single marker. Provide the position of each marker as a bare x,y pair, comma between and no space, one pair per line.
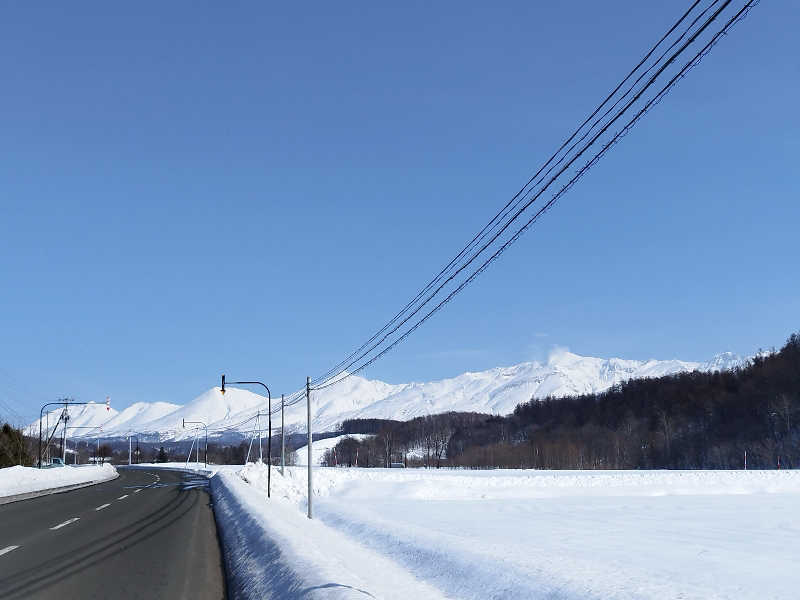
497,391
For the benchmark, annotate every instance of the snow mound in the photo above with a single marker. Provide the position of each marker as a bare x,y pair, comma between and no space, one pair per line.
23,480
274,551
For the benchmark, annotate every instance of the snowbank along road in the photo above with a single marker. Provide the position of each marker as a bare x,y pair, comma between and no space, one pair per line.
146,534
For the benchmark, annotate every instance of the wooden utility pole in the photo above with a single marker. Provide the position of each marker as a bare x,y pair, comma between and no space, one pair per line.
283,443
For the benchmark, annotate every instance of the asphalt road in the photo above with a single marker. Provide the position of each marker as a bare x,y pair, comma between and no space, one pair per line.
146,534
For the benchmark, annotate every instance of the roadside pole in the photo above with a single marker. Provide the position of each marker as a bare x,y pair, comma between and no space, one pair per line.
63,438
283,444
260,453
64,445
269,425
250,446
308,416
129,449
189,456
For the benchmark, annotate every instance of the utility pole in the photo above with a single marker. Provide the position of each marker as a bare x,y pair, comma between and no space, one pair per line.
250,445
260,453
308,416
189,456
269,448
283,443
129,449
65,416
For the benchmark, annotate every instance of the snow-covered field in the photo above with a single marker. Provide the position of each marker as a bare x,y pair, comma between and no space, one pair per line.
538,534
22,480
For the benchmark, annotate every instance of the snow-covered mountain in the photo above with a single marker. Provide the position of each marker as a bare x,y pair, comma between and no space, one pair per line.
496,391
211,407
723,362
140,412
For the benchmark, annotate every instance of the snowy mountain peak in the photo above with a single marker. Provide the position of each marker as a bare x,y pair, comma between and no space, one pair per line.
211,407
723,362
498,391
563,357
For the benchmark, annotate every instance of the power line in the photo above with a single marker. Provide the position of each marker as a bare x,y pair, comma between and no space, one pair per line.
345,365
502,213
657,98
536,196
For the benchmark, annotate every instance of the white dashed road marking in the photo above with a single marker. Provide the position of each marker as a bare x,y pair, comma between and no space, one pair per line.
8,549
102,507
137,491
67,522
122,497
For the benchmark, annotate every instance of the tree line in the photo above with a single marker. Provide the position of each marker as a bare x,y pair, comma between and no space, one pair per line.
419,442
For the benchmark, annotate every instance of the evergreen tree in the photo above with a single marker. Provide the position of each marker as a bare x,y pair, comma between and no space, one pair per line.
13,450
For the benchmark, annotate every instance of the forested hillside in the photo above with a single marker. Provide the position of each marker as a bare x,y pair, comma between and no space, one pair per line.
683,421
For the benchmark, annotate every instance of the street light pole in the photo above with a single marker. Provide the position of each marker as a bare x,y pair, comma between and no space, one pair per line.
269,423
66,402
198,449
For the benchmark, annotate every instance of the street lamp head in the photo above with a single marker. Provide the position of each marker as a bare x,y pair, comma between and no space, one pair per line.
223,385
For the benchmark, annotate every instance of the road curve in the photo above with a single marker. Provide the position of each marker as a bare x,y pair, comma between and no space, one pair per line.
147,534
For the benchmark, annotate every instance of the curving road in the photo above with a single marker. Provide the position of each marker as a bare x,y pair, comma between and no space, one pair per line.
147,534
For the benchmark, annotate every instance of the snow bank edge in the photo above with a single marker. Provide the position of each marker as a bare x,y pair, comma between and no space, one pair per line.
254,564
55,490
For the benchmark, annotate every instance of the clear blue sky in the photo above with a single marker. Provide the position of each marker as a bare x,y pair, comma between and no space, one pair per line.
194,188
